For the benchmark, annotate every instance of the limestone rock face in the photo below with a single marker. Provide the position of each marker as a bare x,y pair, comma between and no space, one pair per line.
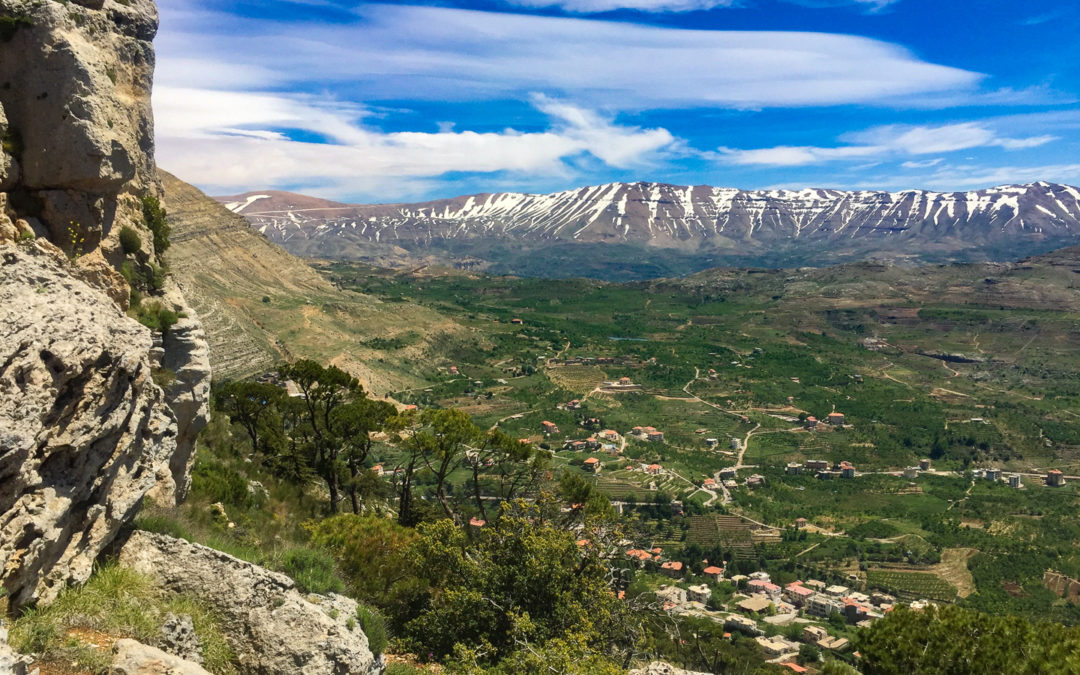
187,357
84,430
75,86
273,627
134,658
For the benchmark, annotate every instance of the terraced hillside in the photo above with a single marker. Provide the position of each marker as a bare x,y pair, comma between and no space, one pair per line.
260,305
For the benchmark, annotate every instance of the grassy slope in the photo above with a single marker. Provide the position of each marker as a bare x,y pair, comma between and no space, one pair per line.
226,269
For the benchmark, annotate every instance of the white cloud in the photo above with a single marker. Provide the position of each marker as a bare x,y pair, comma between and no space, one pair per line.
923,164
885,141
396,52
226,140
596,6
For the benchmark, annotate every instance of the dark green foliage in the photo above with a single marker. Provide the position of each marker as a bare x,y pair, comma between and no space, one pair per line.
374,627
312,570
371,553
950,639
219,483
155,315
517,581
130,240
156,221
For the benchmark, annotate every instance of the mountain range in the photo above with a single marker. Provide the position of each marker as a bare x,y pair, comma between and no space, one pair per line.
639,230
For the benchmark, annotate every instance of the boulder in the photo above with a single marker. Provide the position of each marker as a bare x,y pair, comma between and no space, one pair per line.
84,431
178,638
134,658
273,627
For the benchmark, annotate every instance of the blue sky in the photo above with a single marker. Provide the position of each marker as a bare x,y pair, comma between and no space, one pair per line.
384,102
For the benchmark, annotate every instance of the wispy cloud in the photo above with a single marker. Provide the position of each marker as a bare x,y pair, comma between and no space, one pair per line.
656,6
883,142
392,52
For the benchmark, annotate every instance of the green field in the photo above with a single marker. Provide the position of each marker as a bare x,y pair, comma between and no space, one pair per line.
912,584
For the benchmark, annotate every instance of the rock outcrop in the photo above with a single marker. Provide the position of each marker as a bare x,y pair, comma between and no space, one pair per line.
84,430
186,358
273,627
134,658
75,82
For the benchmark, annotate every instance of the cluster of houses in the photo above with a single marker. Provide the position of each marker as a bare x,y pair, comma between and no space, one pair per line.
822,469
812,598
835,419
1054,477
650,434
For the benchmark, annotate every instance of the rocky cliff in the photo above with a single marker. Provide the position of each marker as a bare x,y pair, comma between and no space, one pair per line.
96,410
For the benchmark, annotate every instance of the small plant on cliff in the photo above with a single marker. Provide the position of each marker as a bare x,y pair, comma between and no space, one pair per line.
12,142
155,316
76,240
156,221
374,627
9,25
130,241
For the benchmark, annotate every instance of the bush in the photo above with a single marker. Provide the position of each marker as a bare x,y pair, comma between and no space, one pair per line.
216,482
130,241
154,315
154,217
312,570
374,627
163,377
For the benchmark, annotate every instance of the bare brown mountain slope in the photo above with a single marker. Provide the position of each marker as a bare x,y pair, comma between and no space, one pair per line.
227,269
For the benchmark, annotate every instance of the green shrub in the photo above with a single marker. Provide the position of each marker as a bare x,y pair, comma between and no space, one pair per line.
402,669
155,276
127,270
156,221
374,627
155,315
27,235
130,241
312,570
216,482
163,377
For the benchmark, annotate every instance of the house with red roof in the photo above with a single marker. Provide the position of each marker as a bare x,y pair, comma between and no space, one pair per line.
716,573
672,568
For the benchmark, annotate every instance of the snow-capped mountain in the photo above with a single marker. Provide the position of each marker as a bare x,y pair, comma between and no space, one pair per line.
693,220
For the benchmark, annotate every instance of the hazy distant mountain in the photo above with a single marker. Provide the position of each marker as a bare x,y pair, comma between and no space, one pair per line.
674,228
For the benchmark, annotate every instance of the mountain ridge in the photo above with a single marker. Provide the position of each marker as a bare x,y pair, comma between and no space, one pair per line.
695,226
